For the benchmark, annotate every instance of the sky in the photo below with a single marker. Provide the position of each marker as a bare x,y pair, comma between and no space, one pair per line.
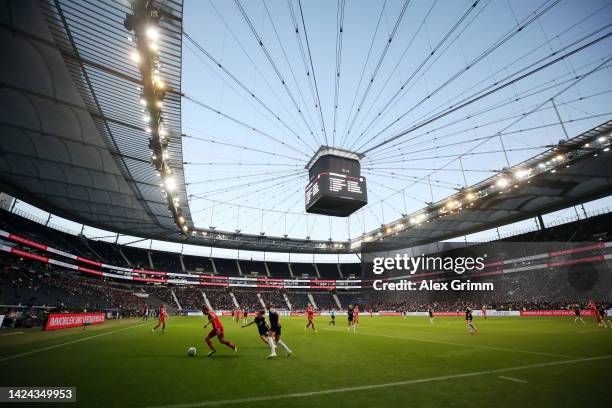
257,178
395,65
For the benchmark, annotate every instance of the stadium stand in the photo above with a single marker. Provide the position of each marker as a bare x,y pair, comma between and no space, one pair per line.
279,269
324,300
298,300
107,252
219,298
247,299
227,267
137,257
166,261
197,264
303,270
252,268
350,270
328,270
31,285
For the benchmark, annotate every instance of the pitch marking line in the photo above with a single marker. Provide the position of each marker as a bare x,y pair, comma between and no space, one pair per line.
537,353
377,386
511,379
11,334
27,353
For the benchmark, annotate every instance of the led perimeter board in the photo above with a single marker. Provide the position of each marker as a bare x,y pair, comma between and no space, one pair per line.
336,186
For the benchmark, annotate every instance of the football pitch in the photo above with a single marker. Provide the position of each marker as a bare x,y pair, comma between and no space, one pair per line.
389,362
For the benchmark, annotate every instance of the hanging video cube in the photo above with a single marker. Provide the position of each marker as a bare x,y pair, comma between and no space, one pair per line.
336,187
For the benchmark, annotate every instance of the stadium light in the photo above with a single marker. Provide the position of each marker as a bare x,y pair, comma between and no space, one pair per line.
152,33
502,183
523,173
170,183
135,56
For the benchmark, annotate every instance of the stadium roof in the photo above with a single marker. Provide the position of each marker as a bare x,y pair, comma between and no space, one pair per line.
75,143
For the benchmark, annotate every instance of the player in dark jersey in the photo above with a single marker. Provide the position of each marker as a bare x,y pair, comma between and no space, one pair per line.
264,331
603,313
469,321
351,318
577,314
431,315
275,329
216,331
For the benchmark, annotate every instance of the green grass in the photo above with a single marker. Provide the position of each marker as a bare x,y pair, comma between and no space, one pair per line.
124,364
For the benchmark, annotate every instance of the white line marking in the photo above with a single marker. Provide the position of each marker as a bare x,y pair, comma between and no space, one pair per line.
27,353
537,353
11,334
377,386
511,379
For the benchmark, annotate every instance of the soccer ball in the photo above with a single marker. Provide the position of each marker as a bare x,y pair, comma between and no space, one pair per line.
191,351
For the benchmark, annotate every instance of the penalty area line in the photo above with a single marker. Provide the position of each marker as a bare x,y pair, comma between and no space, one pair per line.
537,353
40,350
247,400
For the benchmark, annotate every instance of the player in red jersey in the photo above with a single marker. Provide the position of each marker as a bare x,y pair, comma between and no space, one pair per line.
310,315
593,308
163,315
237,315
484,312
356,316
216,331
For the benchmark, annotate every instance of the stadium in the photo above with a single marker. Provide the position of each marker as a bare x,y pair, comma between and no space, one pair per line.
305,203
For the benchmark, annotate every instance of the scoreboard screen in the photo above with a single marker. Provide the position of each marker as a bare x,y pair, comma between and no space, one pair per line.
336,186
